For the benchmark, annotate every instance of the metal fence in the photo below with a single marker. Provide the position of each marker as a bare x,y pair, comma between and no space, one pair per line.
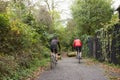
105,46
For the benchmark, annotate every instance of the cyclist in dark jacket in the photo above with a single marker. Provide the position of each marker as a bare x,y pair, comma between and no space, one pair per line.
54,45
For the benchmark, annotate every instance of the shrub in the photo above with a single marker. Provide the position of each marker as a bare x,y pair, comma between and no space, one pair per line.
7,66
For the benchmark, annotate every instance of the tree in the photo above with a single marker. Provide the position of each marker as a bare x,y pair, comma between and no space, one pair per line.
89,15
43,16
3,5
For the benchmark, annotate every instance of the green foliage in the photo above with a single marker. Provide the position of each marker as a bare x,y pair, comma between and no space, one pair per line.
28,19
9,69
3,6
109,39
4,31
84,39
4,24
21,40
90,14
69,33
46,52
29,35
8,66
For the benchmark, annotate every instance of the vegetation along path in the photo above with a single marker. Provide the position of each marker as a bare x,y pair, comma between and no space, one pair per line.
70,69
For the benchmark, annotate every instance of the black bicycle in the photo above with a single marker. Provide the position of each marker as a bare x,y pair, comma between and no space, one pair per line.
53,60
78,55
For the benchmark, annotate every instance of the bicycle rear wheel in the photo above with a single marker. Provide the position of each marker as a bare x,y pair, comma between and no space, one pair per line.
78,56
53,61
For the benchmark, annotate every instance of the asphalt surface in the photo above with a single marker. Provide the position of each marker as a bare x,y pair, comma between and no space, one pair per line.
70,69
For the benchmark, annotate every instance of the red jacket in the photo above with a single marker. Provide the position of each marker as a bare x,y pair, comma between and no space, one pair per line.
77,42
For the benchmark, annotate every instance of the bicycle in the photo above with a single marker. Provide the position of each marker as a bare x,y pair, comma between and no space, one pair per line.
53,60
78,55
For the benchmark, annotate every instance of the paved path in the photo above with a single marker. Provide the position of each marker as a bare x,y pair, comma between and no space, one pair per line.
70,69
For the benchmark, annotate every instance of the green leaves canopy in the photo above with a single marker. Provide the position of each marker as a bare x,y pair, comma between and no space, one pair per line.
91,14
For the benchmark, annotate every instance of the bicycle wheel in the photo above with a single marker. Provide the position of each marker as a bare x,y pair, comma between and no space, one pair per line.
79,57
53,61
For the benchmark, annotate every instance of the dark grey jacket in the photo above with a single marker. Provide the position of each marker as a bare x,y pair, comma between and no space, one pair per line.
54,43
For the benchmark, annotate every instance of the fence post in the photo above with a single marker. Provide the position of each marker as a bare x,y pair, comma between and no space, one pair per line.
118,9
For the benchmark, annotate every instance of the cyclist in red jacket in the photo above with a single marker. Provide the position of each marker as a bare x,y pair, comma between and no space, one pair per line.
77,44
